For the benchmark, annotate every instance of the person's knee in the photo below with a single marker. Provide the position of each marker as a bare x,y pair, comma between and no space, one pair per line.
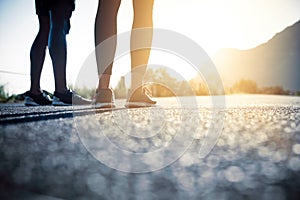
44,29
60,22
143,17
61,27
57,37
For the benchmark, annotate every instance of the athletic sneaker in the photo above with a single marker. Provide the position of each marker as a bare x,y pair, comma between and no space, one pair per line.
139,98
104,98
41,99
69,98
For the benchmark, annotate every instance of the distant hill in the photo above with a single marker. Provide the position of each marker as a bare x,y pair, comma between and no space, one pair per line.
276,62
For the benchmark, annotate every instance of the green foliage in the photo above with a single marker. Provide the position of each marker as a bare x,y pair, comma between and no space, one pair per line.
199,86
245,86
5,97
3,94
274,90
120,89
250,87
164,85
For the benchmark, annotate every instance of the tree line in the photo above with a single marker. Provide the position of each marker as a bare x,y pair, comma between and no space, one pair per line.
162,84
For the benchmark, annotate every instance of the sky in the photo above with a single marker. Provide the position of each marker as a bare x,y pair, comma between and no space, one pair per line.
213,24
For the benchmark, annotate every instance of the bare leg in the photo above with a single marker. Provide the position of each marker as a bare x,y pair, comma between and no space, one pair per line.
141,38
59,16
37,54
105,27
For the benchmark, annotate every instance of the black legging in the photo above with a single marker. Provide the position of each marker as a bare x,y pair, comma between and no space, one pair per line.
52,32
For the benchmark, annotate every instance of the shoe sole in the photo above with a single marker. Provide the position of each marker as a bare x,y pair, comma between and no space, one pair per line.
75,102
67,104
139,105
104,105
57,102
30,102
60,104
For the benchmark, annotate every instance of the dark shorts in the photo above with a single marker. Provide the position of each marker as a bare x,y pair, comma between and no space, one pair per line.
43,7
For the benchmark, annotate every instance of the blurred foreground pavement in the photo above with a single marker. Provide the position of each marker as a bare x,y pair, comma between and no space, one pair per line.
50,152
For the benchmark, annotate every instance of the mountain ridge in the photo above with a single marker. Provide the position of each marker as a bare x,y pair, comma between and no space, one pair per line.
273,63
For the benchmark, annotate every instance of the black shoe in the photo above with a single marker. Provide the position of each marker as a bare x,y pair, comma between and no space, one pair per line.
41,99
69,98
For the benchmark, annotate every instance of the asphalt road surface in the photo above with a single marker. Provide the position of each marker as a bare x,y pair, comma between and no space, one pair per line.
247,147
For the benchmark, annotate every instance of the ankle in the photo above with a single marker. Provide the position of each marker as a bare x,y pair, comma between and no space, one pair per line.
104,80
35,91
99,90
61,91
